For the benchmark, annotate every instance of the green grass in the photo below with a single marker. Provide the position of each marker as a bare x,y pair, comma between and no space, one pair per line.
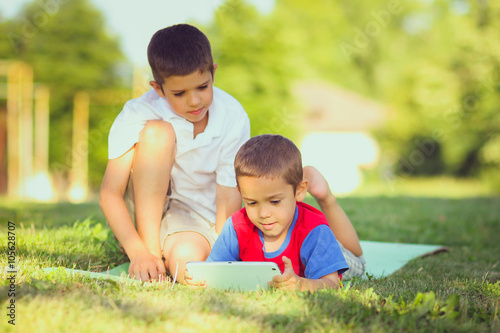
457,291
440,187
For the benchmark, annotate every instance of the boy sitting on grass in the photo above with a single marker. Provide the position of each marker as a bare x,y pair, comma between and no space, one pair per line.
277,226
169,185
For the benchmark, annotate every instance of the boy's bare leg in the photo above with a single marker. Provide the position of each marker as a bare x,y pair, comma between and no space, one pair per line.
153,159
337,219
181,247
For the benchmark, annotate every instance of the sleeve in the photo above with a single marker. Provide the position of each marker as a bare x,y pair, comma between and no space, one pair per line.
124,132
238,135
226,247
321,254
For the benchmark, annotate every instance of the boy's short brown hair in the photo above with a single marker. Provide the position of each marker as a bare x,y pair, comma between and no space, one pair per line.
179,50
270,156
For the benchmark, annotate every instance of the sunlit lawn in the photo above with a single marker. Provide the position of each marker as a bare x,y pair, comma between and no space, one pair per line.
441,187
457,291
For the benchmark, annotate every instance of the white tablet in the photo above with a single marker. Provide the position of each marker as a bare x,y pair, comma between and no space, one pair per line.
235,275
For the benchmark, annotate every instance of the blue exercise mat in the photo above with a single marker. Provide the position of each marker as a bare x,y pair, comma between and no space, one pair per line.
118,274
383,258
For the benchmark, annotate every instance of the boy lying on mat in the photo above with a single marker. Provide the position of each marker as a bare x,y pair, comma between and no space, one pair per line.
276,226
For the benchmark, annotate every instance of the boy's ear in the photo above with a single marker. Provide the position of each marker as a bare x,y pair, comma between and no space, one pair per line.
301,191
213,73
157,87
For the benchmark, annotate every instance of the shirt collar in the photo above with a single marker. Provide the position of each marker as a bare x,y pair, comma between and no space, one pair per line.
216,114
285,242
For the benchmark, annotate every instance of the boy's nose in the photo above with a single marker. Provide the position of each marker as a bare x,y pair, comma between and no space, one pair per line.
194,100
264,213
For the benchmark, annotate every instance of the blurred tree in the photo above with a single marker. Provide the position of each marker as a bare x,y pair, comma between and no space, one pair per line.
255,66
435,64
6,50
70,49
449,79
422,157
476,64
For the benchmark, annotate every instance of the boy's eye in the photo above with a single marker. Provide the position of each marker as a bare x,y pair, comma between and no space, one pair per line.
275,202
179,94
203,87
250,203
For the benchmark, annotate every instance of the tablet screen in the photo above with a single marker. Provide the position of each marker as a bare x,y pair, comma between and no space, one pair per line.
234,275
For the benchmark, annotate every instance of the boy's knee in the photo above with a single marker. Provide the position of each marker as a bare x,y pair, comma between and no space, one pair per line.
157,132
188,252
186,249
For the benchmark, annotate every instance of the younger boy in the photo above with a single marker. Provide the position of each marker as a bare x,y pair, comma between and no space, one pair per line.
275,225
171,152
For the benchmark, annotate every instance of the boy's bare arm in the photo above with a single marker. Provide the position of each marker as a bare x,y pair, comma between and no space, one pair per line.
228,201
337,219
291,281
143,265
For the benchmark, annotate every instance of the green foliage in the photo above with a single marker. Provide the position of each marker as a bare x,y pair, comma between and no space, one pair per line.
68,46
433,64
93,230
254,66
449,89
421,157
6,49
425,305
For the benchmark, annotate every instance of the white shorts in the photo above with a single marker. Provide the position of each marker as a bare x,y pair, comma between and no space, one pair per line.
176,217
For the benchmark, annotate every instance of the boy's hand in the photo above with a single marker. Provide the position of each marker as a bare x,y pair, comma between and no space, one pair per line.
147,267
291,281
192,282
288,280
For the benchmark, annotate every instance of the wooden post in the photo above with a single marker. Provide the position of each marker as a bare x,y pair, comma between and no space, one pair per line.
41,162
4,71
26,130
14,102
40,186
79,166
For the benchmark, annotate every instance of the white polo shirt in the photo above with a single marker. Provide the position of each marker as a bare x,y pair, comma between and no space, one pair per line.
201,163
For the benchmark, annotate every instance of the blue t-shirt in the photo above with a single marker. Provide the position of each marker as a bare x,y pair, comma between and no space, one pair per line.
320,251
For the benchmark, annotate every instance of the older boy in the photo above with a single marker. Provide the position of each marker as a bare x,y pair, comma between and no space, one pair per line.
275,225
171,154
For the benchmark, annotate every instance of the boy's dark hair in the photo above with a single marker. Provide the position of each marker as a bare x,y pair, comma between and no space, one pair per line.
180,49
270,156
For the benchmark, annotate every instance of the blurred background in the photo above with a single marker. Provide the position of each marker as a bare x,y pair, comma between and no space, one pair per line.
380,95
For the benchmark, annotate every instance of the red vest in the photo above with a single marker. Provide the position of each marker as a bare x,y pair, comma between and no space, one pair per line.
251,247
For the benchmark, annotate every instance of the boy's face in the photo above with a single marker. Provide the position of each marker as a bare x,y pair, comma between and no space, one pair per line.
190,95
270,204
